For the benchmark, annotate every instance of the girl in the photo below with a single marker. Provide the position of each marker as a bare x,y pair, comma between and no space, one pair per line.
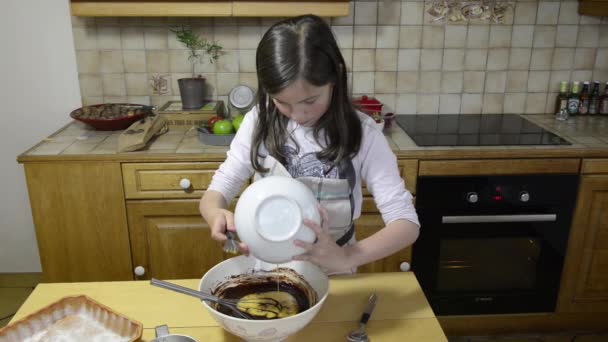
304,126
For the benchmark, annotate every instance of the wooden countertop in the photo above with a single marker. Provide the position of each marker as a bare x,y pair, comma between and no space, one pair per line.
75,141
402,312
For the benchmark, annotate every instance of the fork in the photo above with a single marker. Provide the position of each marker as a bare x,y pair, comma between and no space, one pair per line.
230,245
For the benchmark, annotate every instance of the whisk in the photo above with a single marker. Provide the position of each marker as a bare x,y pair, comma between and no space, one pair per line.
230,245
265,304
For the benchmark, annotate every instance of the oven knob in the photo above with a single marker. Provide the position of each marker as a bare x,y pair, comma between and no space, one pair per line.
472,197
524,196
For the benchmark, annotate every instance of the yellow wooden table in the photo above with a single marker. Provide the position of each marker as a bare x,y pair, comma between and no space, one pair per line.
402,312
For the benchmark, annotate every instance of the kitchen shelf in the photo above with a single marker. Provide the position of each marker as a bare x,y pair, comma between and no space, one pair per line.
208,8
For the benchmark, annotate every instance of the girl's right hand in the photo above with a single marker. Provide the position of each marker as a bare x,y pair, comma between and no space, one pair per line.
224,220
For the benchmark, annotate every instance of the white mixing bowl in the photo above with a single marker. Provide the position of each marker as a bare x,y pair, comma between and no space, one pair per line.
273,330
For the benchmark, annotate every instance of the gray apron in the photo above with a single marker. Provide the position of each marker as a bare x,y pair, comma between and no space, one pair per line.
334,194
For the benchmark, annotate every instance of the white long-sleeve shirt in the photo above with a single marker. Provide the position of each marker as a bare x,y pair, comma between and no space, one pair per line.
375,163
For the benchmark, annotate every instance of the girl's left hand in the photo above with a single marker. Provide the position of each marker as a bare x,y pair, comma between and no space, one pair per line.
325,252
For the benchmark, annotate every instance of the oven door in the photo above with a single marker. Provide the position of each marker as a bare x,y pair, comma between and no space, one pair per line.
484,264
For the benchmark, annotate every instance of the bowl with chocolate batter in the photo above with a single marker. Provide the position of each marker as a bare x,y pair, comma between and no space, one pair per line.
280,299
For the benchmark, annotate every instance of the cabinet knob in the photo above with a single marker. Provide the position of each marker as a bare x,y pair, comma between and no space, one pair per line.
140,271
185,183
404,266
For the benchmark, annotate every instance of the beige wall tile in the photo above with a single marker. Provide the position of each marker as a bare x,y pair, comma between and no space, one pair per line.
364,60
492,103
453,59
134,60
500,36
226,81
363,82
408,59
432,36
90,85
91,100
250,21
430,82
178,61
247,61
496,81
452,81
228,62
108,38
388,100
386,59
556,78
522,36
406,103
474,81
601,60
517,81
498,59
157,61
566,35
389,12
411,12
519,58
514,103
525,13
111,61
87,61
114,85
385,82
114,99
563,58
455,36
548,12
210,86
344,36
590,20
144,100
137,84
249,79
581,75
588,36
347,20
249,37
535,103
427,104
156,38
132,38
152,21
538,81
449,104
85,38
478,36
82,21
431,59
410,37
475,59
471,104
366,12
227,36
225,21
407,81
541,59
388,37
544,36
603,35
365,37
347,54
568,13
584,58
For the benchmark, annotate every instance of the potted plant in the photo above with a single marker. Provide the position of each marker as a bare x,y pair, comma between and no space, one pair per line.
192,89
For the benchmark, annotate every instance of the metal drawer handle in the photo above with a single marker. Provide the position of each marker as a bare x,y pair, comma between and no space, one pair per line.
499,218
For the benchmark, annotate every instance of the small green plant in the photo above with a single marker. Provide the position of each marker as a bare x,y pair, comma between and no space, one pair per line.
198,47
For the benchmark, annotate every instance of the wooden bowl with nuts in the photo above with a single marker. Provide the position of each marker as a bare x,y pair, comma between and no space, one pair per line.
111,116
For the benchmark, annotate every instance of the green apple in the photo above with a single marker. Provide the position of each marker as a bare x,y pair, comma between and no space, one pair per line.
236,122
222,127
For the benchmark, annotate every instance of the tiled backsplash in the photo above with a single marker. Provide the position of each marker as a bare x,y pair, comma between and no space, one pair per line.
394,51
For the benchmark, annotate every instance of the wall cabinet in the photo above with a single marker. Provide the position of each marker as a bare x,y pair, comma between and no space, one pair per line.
593,7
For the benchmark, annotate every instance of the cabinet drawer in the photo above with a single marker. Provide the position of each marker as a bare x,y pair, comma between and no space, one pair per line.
162,180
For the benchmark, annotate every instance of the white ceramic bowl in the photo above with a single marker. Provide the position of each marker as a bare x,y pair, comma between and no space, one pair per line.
264,330
268,218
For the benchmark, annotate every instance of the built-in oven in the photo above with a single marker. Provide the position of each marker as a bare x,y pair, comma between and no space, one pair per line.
493,244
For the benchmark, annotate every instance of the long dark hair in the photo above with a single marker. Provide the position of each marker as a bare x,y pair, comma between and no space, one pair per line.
303,48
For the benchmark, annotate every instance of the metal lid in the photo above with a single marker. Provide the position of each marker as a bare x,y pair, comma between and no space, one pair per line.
241,96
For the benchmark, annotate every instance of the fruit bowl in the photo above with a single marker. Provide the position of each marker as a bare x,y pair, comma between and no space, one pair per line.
264,330
208,138
111,116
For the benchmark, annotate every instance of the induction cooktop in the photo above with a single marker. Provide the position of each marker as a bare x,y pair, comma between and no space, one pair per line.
475,130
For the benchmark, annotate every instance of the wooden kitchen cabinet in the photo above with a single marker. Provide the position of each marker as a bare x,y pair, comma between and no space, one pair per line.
170,239
584,285
367,225
593,7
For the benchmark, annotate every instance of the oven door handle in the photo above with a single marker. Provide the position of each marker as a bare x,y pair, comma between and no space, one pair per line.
499,218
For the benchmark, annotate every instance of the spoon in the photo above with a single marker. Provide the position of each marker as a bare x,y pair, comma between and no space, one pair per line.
360,335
